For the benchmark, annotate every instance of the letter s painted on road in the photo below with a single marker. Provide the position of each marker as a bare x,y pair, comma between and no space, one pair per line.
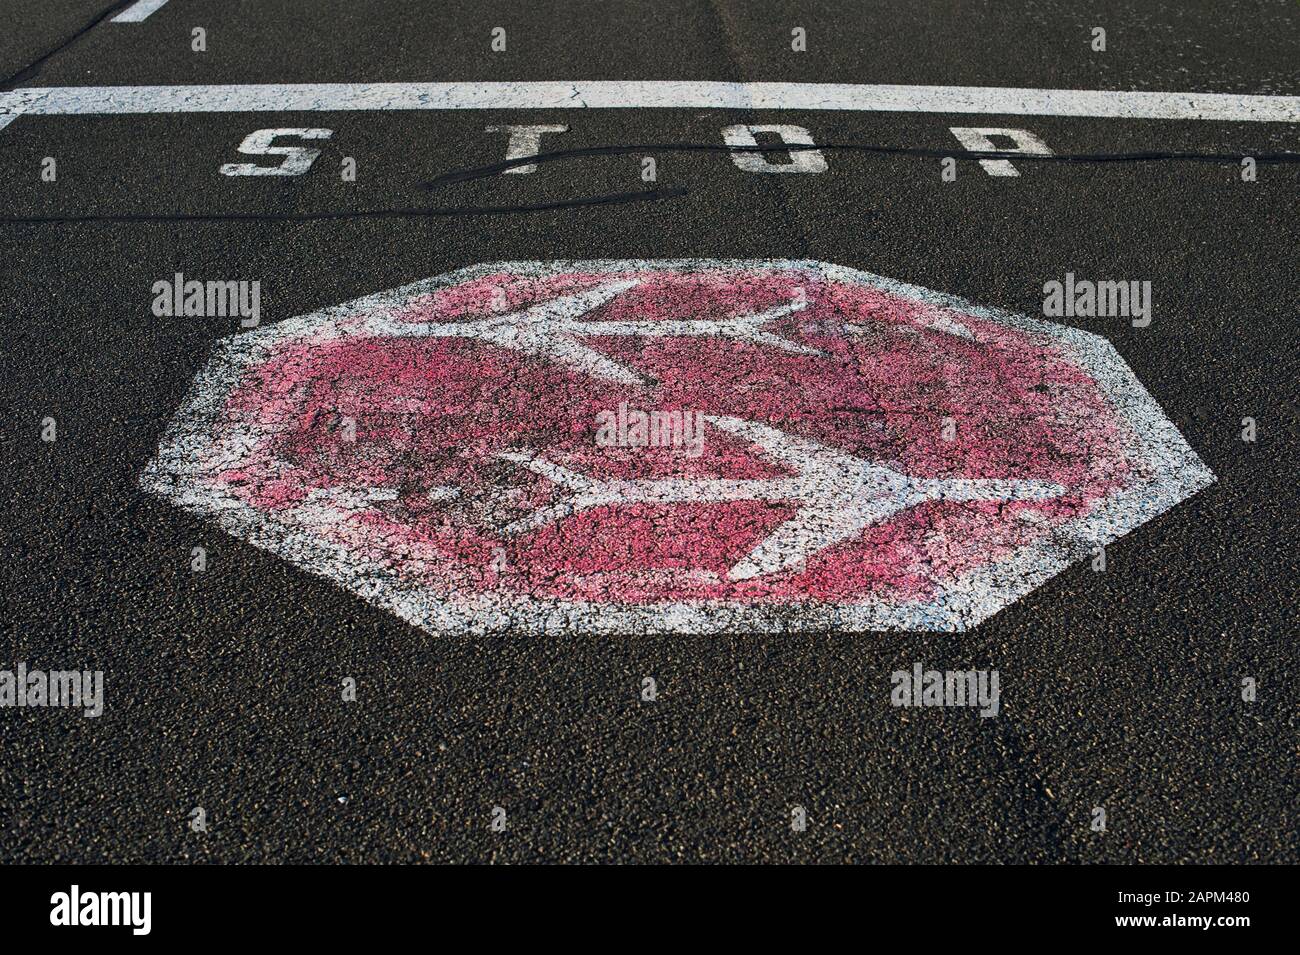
297,159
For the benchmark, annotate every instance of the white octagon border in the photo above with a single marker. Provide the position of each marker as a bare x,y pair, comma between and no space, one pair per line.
959,605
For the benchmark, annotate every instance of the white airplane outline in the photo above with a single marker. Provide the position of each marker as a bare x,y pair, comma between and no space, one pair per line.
839,496
553,329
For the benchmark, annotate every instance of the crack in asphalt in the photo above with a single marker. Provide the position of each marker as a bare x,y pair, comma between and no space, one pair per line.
618,198
34,68
484,172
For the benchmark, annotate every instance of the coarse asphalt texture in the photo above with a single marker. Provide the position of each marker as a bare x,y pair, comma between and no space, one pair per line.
1120,690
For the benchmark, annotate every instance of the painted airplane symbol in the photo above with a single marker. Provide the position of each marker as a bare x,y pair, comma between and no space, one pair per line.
838,496
553,329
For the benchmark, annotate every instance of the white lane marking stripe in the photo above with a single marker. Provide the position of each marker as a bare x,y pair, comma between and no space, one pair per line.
654,94
138,11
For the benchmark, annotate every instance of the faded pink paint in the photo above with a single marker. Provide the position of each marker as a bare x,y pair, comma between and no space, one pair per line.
436,412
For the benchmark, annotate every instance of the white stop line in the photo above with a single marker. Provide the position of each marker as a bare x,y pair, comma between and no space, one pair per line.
139,11
648,94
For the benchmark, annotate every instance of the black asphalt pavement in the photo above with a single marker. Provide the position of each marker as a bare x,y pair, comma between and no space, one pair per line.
1120,690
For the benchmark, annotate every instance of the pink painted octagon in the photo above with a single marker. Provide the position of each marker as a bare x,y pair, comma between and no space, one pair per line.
684,446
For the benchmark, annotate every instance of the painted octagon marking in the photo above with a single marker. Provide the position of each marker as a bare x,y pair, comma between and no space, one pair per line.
687,446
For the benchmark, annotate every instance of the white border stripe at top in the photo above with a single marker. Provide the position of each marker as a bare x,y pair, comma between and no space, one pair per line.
139,11
650,94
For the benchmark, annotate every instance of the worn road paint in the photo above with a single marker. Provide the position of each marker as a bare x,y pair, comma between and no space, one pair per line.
654,94
977,140
525,140
876,455
294,160
800,161
139,11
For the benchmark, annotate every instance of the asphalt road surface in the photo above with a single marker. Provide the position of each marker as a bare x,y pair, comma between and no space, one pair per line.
224,689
